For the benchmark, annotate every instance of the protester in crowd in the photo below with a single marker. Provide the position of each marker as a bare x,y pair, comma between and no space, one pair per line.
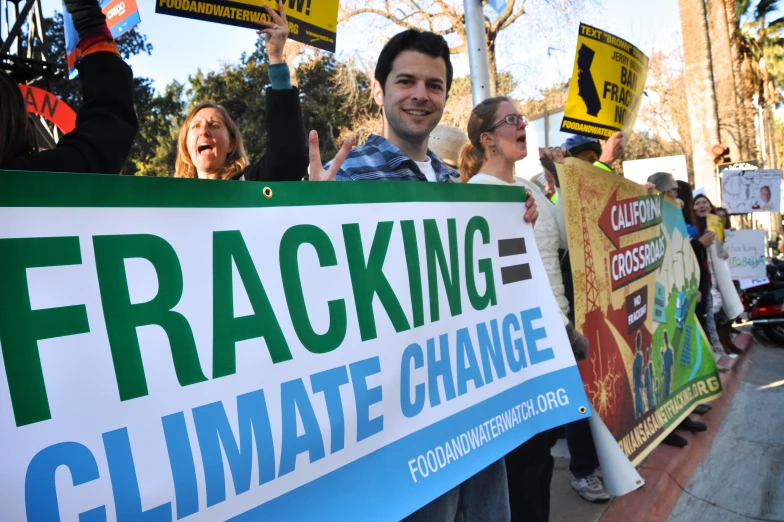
713,297
724,326
411,84
664,183
725,217
106,123
584,461
210,145
723,295
497,140
590,150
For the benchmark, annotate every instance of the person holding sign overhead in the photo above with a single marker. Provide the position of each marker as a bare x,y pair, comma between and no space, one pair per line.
106,124
210,145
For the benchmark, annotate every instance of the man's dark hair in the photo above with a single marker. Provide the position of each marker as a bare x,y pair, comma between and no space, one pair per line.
412,40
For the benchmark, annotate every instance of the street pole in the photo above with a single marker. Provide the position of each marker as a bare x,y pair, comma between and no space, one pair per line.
477,50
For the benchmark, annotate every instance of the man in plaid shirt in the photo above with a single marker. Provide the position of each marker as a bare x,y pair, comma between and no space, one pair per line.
412,80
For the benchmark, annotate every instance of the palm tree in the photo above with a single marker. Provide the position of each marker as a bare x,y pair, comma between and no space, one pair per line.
733,118
759,44
700,93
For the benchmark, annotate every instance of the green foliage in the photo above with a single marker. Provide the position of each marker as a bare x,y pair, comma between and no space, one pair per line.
334,97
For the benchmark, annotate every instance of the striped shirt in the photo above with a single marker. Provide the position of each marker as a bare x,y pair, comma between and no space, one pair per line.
379,159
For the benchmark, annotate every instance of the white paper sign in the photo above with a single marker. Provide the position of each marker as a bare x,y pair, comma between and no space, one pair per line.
744,191
747,253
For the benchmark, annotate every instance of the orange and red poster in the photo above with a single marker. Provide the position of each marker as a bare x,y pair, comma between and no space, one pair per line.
635,289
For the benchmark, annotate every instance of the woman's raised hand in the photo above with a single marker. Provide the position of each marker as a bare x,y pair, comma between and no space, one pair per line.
277,32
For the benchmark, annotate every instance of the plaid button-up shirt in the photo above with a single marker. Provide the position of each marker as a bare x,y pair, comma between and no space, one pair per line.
379,159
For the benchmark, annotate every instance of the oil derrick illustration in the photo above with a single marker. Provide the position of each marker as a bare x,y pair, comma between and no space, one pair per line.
592,294
600,385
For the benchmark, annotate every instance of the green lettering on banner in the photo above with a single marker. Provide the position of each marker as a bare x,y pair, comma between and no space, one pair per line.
228,330
479,302
292,239
434,253
368,279
414,271
123,317
21,327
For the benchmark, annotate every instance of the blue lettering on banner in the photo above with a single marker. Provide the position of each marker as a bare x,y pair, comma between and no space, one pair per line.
125,485
413,466
467,431
40,491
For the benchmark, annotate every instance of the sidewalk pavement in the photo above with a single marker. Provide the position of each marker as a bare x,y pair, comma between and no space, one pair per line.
667,468
565,504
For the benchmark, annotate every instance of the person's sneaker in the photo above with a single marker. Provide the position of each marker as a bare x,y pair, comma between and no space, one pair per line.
591,489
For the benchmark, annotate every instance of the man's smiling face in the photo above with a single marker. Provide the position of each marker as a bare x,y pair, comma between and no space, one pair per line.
414,96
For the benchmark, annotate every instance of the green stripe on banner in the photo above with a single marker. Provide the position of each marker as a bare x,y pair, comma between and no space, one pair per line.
48,189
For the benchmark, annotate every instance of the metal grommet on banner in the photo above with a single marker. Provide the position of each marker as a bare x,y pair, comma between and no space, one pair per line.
582,409
267,192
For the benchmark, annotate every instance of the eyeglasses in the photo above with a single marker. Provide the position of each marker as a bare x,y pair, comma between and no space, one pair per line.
510,119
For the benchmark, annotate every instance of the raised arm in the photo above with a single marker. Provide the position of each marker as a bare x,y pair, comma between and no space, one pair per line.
106,124
286,158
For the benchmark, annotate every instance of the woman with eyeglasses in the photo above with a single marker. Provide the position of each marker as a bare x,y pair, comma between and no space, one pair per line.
497,140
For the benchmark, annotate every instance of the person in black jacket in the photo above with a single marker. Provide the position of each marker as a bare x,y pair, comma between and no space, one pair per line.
210,145
106,124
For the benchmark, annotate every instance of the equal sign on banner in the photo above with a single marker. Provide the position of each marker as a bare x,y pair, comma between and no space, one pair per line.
513,273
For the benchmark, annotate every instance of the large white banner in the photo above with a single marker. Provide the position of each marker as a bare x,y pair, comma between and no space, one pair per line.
744,191
202,350
746,250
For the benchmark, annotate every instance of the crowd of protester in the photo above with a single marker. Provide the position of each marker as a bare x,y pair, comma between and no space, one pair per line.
413,76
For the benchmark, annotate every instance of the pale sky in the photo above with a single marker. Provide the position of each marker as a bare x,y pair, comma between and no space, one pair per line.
181,46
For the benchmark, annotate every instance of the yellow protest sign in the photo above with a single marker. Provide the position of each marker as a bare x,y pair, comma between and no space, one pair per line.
312,22
716,225
606,87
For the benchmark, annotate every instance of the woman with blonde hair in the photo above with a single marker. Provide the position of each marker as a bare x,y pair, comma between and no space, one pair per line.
497,140
210,145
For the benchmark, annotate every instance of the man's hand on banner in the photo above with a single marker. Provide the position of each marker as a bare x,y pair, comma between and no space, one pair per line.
317,172
650,187
578,341
277,33
613,148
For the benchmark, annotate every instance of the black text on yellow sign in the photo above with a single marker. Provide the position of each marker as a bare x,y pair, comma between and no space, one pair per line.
312,22
606,87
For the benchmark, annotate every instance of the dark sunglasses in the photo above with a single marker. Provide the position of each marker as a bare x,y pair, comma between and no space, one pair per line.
510,119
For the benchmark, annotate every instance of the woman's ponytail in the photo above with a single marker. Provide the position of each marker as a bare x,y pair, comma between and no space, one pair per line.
470,161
